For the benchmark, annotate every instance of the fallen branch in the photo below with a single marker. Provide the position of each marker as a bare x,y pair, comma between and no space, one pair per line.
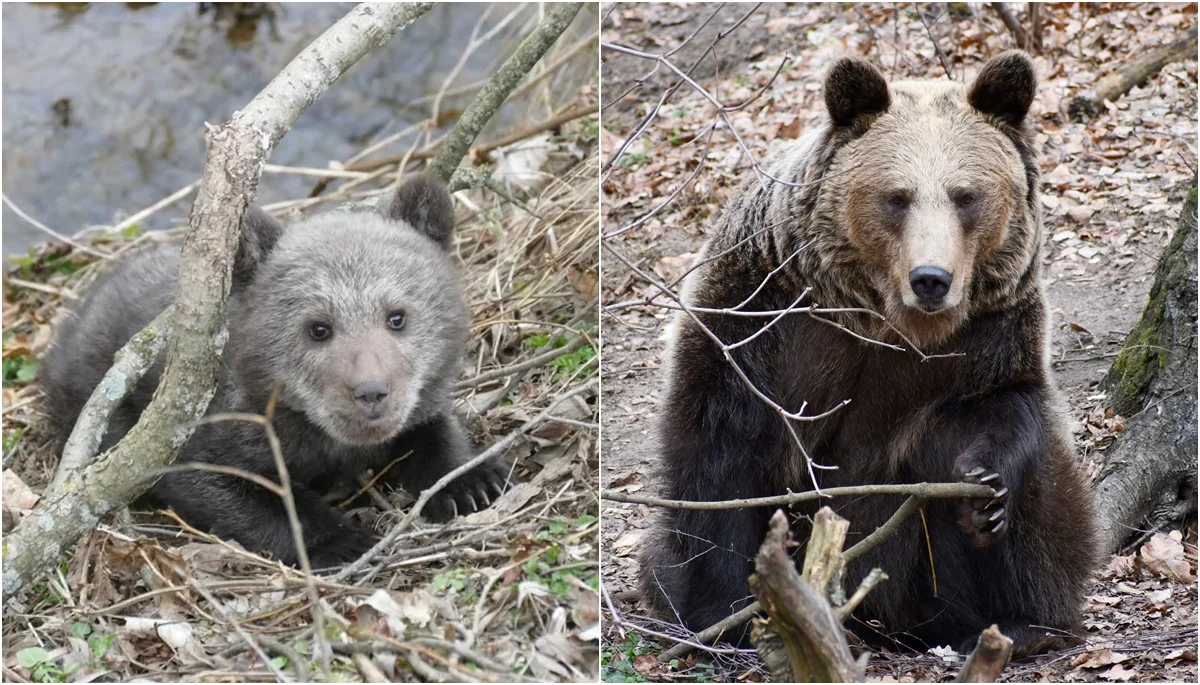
235,154
921,490
1121,80
488,101
990,656
531,363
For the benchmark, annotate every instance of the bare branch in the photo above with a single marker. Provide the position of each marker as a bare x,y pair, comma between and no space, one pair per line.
915,490
1011,22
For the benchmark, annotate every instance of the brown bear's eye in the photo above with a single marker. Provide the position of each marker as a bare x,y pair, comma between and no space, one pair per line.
898,201
965,200
395,320
319,331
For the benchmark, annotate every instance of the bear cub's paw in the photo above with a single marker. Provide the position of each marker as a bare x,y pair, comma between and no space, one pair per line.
984,519
347,543
473,491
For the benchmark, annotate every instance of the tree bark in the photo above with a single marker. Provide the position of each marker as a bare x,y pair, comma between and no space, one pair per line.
236,153
1151,469
1091,102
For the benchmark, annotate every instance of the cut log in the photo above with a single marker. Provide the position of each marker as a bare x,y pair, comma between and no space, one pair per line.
802,641
990,656
1090,102
1151,469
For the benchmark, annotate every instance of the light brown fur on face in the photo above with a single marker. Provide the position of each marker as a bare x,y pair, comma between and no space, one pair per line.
941,194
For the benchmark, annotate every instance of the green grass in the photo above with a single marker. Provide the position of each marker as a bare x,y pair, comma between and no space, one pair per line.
42,668
569,363
616,664
632,159
19,369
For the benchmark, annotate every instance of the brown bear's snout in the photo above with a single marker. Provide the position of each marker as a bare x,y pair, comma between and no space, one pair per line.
930,284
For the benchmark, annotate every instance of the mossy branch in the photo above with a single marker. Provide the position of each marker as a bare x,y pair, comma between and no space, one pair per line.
493,95
130,363
236,152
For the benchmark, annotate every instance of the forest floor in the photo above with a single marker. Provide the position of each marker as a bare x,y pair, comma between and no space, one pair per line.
509,593
1112,191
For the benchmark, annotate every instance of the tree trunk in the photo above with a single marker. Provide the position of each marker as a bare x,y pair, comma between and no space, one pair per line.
1151,470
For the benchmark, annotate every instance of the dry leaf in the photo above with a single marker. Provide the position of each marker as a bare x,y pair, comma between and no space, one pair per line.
1164,555
1098,659
1118,673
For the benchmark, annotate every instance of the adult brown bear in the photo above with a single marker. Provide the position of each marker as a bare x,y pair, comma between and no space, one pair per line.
918,200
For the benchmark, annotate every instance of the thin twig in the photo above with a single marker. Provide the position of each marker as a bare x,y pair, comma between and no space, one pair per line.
50,231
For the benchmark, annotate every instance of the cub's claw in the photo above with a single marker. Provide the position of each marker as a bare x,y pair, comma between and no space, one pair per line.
473,491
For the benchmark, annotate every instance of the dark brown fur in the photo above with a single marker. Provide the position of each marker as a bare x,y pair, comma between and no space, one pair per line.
994,409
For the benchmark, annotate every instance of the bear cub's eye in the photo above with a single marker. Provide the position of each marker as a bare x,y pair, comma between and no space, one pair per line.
898,201
965,200
395,320
319,331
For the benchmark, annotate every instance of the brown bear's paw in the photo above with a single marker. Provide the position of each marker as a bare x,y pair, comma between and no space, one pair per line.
984,519
473,491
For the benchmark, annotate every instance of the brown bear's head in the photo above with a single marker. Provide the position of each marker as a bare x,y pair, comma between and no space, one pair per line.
937,180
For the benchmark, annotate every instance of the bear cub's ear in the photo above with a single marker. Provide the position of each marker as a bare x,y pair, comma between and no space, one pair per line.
854,88
260,231
424,203
1005,87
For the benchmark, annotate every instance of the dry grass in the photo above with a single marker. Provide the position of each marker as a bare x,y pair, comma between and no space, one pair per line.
507,594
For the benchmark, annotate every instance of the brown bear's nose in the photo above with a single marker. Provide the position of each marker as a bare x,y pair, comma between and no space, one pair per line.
930,283
370,392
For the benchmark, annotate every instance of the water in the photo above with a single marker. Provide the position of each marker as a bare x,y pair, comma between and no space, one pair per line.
104,104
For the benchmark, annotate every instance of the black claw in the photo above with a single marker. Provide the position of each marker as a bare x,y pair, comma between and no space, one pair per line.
998,527
990,477
998,514
1001,493
975,472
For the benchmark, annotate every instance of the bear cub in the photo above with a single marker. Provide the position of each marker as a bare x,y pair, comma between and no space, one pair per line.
914,215
358,316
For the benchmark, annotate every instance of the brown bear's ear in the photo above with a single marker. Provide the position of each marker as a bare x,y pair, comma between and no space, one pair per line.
854,88
260,231
423,202
1005,87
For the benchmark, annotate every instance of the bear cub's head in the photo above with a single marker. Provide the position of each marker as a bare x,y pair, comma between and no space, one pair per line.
936,178
360,315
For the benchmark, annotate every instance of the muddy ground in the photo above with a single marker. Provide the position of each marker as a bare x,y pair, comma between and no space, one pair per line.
1112,191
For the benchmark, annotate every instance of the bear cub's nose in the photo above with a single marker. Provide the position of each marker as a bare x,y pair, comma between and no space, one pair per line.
370,392
930,283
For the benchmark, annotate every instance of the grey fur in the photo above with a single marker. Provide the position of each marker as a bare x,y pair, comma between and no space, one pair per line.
351,272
